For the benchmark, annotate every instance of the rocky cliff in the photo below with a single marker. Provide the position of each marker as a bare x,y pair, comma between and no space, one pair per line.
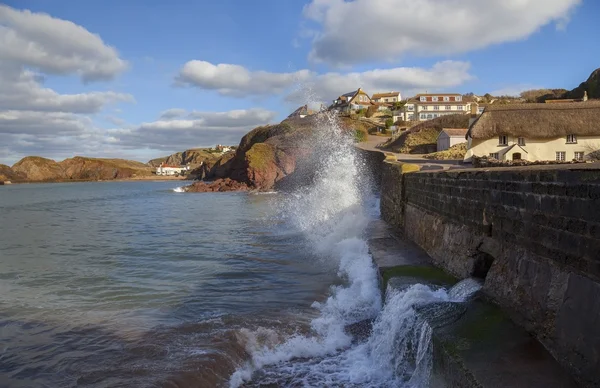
8,174
38,169
591,86
274,156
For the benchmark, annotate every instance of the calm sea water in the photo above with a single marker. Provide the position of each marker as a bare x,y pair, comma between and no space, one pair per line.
132,284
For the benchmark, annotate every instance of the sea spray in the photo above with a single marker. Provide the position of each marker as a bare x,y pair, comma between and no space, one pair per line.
332,215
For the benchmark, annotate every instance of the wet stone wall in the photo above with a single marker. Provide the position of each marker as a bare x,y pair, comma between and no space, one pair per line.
533,233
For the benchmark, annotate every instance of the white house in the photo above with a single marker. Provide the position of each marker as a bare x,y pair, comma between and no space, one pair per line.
169,170
557,131
386,98
425,107
450,137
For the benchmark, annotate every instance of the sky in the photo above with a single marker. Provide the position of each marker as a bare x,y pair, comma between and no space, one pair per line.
140,79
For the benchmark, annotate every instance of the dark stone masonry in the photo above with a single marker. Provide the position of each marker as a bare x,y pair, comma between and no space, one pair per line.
533,234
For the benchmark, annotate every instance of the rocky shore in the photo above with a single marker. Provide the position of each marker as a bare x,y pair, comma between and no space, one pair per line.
272,157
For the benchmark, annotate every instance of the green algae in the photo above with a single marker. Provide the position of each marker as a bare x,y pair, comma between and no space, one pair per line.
426,273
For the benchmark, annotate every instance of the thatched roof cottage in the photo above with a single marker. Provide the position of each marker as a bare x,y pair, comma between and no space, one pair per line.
533,132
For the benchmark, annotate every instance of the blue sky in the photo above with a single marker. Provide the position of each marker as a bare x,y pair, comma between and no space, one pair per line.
140,79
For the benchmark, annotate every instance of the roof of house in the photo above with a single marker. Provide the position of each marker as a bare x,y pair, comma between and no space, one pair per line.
303,110
437,94
513,146
560,101
455,131
381,95
537,120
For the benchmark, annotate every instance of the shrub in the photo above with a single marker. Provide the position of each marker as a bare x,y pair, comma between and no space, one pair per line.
371,111
360,136
389,123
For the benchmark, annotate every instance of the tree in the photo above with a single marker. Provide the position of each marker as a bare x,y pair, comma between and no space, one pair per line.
399,104
389,123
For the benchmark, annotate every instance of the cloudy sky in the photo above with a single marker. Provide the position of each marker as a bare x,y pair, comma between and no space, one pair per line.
140,79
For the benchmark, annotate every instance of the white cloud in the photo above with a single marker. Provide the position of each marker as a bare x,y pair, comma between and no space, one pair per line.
22,90
237,81
226,79
192,129
55,46
172,113
407,80
362,31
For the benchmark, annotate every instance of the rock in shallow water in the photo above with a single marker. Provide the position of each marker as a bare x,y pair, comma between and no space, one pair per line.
220,185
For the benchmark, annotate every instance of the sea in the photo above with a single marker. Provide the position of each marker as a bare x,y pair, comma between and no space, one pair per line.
137,284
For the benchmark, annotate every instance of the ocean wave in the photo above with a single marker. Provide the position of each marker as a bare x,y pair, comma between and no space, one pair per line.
179,189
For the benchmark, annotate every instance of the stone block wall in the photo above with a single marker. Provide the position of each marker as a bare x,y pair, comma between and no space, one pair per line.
535,229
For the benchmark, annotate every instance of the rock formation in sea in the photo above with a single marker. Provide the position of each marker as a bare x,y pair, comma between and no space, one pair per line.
271,157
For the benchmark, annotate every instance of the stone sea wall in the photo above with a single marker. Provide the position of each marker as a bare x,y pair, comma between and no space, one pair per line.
532,233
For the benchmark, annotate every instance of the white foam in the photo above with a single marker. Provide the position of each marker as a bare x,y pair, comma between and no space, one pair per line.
332,215
179,190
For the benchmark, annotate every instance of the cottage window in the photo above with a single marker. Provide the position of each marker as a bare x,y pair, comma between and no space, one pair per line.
502,140
446,98
423,117
458,98
386,100
561,156
571,139
423,99
425,107
394,99
460,107
579,156
437,107
434,99
521,141
448,107
495,155
411,107
429,116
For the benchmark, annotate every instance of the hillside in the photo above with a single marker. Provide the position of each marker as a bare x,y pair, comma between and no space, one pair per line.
193,156
38,169
8,174
591,86
274,156
80,168
422,138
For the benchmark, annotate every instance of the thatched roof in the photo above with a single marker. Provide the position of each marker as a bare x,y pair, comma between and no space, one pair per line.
537,121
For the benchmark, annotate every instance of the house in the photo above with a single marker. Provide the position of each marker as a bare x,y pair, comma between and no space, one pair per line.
388,98
535,132
425,107
355,100
450,137
302,112
171,170
222,148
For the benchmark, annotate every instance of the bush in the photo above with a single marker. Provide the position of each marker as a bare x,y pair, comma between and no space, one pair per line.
360,136
361,112
371,111
389,123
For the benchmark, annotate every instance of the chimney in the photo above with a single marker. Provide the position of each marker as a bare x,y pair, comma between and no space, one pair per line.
474,108
585,96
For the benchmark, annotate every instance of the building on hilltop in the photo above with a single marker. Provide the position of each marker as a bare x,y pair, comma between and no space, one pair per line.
425,107
388,98
355,100
535,132
450,137
302,112
171,170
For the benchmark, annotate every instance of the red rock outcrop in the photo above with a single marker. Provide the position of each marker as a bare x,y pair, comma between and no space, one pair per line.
220,185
